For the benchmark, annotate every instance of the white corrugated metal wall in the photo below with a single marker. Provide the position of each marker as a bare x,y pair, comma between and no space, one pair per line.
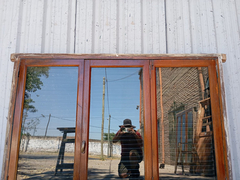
124,26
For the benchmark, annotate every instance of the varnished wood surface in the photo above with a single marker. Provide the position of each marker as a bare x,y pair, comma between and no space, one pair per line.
52,62
181,63
223,116
16,130
77,150
10,116
218,126
155,144
148,153
149,90
85,122
147,115
19,56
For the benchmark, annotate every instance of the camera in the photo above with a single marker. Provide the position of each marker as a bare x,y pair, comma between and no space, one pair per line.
125,130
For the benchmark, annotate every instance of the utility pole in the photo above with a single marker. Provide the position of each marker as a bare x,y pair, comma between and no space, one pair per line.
47,125
103,103
108,136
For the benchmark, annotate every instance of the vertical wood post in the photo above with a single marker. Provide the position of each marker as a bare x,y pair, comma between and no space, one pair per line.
103,103
162,116
47,125
201,81
108,153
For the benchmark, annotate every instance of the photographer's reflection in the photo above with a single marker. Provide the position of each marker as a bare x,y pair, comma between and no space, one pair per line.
131,156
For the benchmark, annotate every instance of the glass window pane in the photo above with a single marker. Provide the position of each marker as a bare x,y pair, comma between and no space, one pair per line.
116,124
183,104
48,123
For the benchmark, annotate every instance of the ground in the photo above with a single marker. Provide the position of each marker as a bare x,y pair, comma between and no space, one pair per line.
42,166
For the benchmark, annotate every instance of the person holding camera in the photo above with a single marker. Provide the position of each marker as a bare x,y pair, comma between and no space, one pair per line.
131,154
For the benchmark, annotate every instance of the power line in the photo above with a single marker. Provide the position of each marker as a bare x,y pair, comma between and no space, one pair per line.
97,117
34,117
101,127
116,119
29,119
51,129
63,118
124,77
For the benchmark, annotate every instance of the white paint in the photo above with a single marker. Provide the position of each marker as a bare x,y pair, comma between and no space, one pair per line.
95,148
126,26
53,144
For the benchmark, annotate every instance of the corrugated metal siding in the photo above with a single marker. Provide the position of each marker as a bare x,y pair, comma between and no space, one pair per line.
46,26
126,26
8,36
228,41
120,27
190,26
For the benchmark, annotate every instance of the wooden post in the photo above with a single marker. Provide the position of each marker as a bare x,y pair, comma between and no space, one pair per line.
162,116
47,125
201,81
103,103
108,153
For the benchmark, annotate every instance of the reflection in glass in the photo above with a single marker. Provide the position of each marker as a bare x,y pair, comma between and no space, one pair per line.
186,149
116,124
48,123
179,130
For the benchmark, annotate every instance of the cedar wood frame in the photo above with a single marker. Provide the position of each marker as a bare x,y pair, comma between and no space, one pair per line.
148,62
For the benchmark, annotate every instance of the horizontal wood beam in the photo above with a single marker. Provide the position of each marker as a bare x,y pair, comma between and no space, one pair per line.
19,56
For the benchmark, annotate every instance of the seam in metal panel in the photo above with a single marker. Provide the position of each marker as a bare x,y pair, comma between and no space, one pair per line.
93,26
19,27
75,28
117,28
236,10
214,25
190,25
69,27
142,36
166,29
44,26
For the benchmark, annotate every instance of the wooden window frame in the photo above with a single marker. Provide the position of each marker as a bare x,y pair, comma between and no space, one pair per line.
18,109
221,158
149,63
